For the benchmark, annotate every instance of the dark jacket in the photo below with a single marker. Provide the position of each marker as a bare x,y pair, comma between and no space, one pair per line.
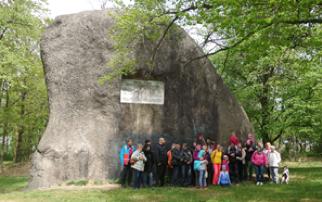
232,152
177,157
148,166
187,156
250,149
161,155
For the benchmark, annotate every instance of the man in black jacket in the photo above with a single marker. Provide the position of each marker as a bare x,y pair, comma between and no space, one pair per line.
186,167
177,161
148,166
161,160
232,154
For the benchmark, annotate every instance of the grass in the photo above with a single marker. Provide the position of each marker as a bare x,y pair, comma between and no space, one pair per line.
11,184
77,182
305,185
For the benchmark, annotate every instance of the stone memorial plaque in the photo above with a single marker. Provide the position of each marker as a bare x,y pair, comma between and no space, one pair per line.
142,92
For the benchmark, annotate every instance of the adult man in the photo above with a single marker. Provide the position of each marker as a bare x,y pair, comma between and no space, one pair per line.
274,158
177,162
250,149
186,167
125,156
232,154
240,157
161,161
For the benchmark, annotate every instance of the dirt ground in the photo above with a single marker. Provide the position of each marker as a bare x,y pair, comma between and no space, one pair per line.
20,169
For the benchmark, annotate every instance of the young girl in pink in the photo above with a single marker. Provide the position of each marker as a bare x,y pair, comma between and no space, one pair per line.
225,162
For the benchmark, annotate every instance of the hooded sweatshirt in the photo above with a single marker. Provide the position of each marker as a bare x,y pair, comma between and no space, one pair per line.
259,159
224,178
274,158
139,163
216,157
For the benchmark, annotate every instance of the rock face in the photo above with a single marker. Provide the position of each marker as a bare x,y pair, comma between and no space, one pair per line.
88,124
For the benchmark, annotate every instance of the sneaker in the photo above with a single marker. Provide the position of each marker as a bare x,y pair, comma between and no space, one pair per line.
261,183
257,183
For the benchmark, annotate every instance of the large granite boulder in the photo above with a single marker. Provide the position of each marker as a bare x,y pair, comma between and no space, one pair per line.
88,124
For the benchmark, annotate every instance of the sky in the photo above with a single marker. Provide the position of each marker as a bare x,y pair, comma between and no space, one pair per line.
61,7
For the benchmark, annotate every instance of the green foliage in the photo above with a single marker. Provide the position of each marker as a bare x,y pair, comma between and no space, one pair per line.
135,26
23,96
268,52
280,88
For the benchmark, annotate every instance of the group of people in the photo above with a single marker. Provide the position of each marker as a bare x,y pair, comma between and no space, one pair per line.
204,164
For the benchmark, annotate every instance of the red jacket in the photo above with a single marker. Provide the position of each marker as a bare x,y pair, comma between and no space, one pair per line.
169,154
259,159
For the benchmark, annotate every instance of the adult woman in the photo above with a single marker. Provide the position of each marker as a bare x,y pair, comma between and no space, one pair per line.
137,160
241,154
260,161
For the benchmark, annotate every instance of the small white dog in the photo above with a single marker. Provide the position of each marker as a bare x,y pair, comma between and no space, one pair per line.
285,175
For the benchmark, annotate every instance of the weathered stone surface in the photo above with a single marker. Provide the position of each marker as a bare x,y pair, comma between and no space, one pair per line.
88,124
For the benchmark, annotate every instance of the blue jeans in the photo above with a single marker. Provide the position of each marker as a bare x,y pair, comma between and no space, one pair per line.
259,173
175,175
147,179
196,172
274,174
186,174
232,171
202,178
126,175
249,169
137,175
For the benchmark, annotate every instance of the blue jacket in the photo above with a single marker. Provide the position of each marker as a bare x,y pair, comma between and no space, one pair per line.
125,150
197,163
224,178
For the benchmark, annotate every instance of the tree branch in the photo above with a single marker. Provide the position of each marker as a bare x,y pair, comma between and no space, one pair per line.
229,47
277,137
162,37
3,32
303,21
191,8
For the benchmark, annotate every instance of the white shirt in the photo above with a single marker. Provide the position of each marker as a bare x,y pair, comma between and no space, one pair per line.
274,158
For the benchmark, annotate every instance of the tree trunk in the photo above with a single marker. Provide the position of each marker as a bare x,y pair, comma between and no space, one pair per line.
264,100
5,129
19,153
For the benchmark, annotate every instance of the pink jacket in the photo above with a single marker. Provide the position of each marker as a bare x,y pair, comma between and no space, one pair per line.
259,159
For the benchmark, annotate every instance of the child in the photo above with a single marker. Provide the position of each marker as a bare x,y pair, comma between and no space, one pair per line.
285,176
225,162
203,168
224,179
